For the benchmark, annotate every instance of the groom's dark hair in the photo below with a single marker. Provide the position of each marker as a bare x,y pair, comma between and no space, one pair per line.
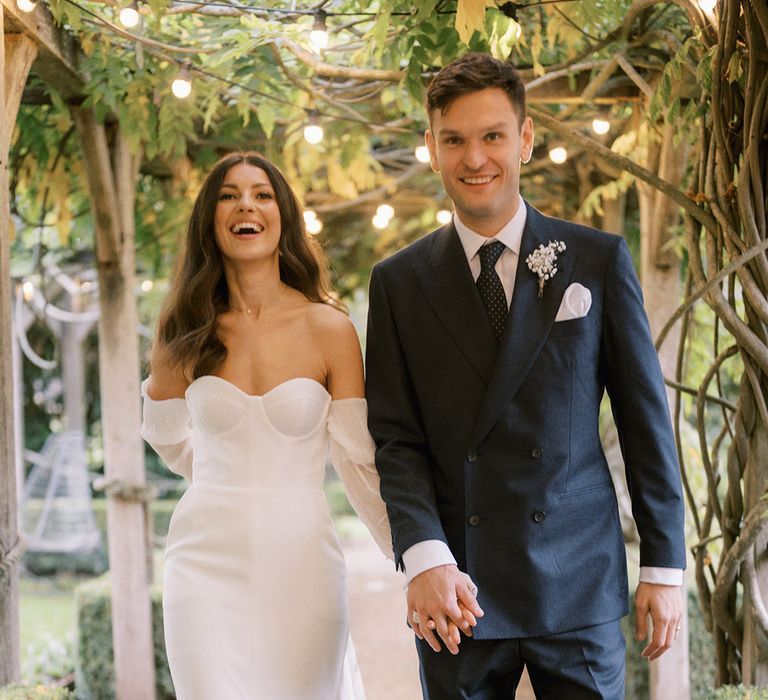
473,72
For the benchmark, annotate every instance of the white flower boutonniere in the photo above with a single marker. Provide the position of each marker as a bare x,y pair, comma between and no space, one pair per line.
543,262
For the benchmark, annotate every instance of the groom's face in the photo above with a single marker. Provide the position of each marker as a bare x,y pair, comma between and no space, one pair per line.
476,145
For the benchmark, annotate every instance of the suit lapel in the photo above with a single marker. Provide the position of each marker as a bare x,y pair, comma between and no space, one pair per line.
529,322
447,284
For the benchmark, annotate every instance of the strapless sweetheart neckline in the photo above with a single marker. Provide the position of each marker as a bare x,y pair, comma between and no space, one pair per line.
258,396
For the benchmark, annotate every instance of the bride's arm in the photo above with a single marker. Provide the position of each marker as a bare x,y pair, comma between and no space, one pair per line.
165,416
351,447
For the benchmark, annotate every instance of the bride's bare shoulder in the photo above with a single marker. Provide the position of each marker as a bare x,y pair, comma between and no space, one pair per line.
332,324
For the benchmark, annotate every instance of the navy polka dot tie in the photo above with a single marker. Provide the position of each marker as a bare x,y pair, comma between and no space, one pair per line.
490,287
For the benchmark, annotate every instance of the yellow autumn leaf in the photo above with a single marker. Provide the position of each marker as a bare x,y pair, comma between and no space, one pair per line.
470,17
339,182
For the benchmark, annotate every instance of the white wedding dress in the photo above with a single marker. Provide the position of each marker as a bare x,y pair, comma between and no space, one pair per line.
254,589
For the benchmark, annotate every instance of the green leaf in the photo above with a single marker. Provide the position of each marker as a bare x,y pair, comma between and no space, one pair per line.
267,117
158,7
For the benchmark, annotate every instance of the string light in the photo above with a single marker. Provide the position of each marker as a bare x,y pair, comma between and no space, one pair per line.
422,154
443,216
313,132
313,224
708,5
601,126
558,155
129,16
384,214
386,211
146,285
182,84
318,37
26,5
380,222
28,289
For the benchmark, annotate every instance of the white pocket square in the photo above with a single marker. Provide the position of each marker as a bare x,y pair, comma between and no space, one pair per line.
575,304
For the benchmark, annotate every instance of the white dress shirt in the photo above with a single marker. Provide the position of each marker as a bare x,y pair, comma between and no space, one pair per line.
431,553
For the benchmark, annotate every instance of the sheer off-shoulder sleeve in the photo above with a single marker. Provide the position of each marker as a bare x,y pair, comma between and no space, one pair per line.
165,426
352,454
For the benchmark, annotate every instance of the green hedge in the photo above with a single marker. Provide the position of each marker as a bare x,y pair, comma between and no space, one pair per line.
38,692
736,692
701,657
94,665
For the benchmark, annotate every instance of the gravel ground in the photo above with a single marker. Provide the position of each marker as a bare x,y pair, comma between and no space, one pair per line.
384,645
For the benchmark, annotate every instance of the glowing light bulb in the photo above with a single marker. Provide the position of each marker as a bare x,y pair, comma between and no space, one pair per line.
558,155
422,154
708,5
309,215
380,221
26,5
443,216
601,126
313,133
318,37
146,285
129,16
385,211
86,286
28,290
182,84
314,226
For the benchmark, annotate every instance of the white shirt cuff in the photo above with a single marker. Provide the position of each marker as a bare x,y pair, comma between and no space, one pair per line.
661,574
425,555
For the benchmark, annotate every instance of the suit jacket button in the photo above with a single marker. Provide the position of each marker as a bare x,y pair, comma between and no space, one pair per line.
474,520
539,516
472,456
536,452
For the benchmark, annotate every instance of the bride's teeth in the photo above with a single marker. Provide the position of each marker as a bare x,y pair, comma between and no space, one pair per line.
239,227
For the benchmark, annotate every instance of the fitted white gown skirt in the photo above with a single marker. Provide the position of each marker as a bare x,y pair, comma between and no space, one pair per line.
254,595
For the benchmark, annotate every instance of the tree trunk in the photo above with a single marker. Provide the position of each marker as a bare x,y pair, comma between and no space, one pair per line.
16,56
111,183
662,289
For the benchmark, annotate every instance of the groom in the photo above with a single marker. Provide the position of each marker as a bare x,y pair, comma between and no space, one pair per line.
490,344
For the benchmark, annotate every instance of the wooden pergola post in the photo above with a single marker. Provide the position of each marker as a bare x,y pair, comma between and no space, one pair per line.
16,55
111,174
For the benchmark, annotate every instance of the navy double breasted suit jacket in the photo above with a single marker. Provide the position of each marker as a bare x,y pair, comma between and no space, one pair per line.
493,447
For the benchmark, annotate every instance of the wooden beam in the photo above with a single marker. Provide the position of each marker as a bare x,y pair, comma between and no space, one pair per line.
112,172
16,55
59,54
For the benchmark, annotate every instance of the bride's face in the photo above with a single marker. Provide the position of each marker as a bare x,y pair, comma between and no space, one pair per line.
247,219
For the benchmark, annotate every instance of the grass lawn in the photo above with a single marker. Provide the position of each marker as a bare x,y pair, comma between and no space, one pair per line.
47,609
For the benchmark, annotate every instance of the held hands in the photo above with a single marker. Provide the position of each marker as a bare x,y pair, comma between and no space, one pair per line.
442,600
665,605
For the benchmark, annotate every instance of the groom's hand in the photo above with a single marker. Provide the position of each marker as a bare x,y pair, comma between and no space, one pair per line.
664,604
444,602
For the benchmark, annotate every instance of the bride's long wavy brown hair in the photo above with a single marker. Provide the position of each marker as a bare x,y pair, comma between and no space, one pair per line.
198,295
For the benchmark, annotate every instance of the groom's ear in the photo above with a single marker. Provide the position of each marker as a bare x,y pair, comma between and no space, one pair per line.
429,140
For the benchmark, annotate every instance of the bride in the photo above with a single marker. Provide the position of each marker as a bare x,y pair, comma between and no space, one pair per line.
256,373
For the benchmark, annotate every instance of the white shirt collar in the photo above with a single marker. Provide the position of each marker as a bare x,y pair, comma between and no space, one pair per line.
510,235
